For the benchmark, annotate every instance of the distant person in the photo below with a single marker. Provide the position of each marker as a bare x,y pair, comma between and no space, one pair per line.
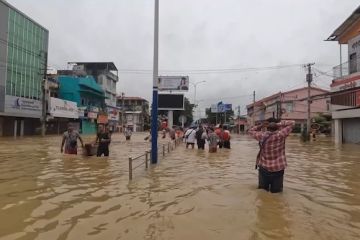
103,138
213,139
271,159
190,137
172,133
199,138
70,138
219,133
226,137
128,134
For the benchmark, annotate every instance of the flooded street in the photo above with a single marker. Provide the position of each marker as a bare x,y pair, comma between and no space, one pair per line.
189,195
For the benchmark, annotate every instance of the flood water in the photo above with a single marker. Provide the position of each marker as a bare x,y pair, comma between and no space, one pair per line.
189,195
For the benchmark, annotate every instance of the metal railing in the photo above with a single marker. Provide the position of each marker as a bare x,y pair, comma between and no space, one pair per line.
341,70
166,148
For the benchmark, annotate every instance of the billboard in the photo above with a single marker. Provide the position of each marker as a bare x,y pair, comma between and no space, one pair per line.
171,102
173,83
221,107
63,108
23,107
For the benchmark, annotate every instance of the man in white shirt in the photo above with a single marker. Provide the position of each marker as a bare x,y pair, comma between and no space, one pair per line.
190,137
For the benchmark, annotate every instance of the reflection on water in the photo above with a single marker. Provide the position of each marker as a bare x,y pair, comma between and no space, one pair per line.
191,194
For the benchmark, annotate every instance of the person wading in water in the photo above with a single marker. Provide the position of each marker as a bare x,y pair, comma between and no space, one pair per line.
70,138
271,159
104,139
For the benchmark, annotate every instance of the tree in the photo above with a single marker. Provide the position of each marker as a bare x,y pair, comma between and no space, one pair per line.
214,118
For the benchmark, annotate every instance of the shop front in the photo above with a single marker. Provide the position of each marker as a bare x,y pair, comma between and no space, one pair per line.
61,112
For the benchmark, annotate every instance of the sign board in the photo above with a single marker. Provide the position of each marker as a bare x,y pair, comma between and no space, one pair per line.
171,102
345,86
23,106
102,119
220,107
173,83
92,115
62,108
113,114
81,111
214,108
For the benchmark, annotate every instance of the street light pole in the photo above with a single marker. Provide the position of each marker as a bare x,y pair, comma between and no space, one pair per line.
154,109
195,85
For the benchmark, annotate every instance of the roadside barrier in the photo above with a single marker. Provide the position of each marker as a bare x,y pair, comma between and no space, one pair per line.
163,149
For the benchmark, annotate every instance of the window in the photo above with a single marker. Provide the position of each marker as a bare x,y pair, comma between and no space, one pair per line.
353,63
289,107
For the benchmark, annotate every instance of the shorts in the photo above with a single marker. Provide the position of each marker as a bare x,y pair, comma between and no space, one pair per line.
227,144
70,150
192,144
212,149
271,181
103,150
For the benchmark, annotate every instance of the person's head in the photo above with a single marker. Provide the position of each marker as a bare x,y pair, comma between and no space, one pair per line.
70,127
225,127
272,125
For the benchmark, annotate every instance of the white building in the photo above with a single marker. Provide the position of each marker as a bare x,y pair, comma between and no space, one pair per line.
345,88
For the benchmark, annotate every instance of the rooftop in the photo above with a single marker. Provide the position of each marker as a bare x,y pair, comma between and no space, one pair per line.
132,98
97,65
345,26
259,102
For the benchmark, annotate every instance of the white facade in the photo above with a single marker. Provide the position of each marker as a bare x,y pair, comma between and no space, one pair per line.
108,84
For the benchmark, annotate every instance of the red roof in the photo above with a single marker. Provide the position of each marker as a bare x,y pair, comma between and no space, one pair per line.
259,102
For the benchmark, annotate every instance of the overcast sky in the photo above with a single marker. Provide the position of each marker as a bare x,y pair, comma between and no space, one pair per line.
197,35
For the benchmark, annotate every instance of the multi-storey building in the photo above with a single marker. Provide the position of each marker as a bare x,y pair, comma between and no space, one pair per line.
23,63
290,105
136,112
345,87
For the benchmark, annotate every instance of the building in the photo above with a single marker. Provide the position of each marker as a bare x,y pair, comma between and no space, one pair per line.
90,100
345,87
241,125
106,75
23,63
290,105
136,112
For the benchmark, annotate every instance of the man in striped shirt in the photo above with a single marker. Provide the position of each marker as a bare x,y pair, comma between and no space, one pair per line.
271,159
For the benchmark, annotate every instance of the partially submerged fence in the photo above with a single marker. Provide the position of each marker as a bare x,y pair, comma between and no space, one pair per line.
162,149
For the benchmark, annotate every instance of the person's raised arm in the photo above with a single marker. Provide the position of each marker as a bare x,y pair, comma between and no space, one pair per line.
255,132
287,127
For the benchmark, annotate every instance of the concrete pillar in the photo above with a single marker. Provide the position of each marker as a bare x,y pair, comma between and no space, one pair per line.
1,126
338,134
170,118
15,128
22,123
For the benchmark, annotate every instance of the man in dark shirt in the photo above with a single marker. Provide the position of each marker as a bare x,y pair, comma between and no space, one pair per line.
103,138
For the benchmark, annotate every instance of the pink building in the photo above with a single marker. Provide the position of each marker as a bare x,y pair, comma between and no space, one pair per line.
291,105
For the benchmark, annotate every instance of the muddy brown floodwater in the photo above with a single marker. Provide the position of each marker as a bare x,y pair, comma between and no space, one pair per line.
189,195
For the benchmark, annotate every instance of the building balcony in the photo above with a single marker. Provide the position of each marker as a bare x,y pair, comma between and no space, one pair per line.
346,70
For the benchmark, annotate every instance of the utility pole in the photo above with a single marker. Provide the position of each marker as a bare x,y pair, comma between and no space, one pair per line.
122,111
253,115
238,119
154,109
44,87
309,78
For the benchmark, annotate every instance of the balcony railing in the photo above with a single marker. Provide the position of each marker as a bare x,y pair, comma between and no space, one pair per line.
341,71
